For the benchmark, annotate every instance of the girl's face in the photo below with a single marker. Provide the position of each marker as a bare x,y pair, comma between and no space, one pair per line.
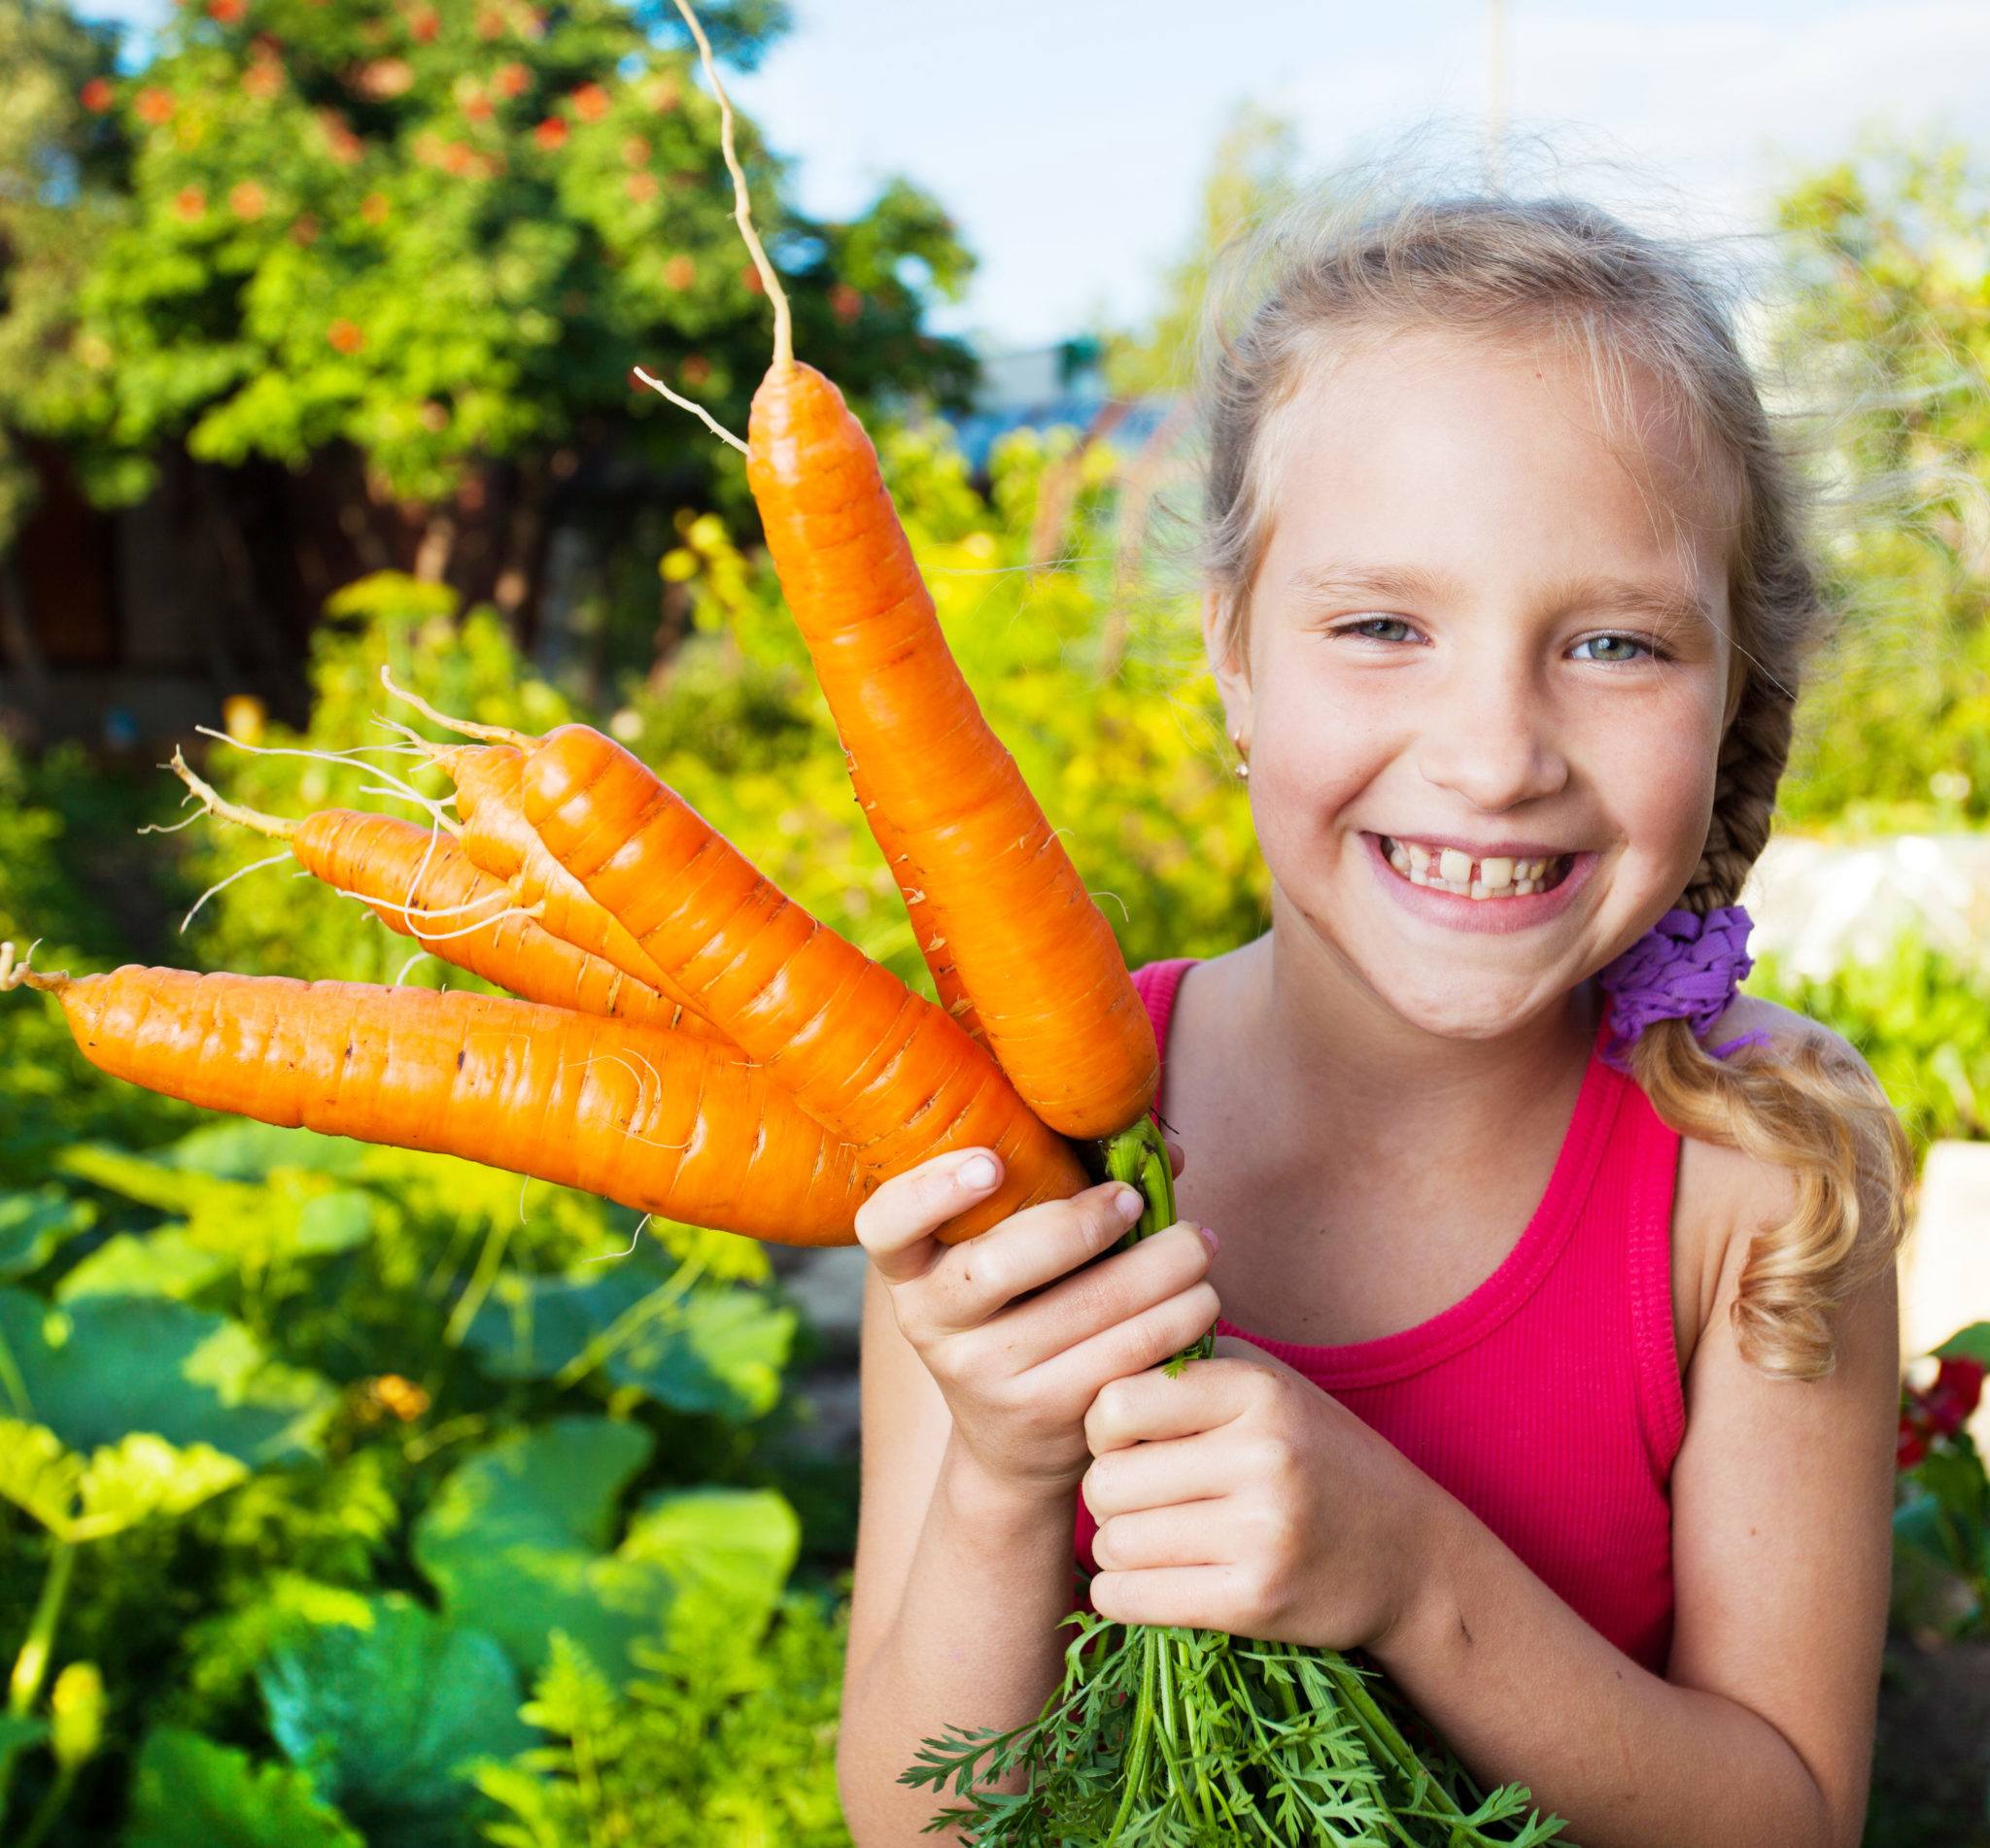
1476,640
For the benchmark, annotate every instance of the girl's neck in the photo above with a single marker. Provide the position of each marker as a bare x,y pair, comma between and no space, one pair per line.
1393,1091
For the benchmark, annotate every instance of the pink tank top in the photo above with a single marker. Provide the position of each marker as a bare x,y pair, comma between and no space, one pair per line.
1548,1401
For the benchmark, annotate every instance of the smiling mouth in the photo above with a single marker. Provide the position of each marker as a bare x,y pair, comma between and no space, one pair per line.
1448,869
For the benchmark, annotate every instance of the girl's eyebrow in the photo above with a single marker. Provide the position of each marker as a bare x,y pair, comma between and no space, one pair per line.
1668,605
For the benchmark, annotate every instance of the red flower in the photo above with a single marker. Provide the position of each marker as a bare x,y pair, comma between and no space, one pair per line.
477,106
695,370
374,208
247,199
227,12
551,134
845,303
189,203
590,102
1957,1391
304,228
96,95
641,187
1909,1448
264,79
424,23
490,24
511,80
749,278
344,337
154,107
680,272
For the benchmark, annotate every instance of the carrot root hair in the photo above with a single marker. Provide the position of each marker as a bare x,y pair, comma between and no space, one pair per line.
466,728
691,405
401,790
214,802
742,202
13,975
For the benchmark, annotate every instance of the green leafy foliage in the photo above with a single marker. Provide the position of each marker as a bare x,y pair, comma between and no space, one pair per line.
189,1792
440,233
518,1542
728,1735
1922,1022
383,1714
711,1350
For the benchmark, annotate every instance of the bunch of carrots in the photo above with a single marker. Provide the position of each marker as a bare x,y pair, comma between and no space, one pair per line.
687,1040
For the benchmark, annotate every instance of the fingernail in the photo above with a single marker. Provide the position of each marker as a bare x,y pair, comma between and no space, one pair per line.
979,1172
1211,1237
1128,1204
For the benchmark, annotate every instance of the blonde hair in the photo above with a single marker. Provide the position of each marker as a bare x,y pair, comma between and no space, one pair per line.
1376,260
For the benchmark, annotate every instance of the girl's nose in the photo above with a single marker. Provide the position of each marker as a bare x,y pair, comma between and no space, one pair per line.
1491,740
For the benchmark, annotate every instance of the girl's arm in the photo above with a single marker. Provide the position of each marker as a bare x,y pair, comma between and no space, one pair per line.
961,1585
1760,1734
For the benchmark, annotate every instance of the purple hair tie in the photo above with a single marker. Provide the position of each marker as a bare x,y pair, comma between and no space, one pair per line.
1684,967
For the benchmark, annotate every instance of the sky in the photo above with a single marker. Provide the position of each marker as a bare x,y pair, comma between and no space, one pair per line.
1069,138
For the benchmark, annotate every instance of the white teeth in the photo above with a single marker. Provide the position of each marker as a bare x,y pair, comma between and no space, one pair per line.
1450,870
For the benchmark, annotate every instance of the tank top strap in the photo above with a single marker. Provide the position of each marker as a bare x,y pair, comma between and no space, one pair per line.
1608,1207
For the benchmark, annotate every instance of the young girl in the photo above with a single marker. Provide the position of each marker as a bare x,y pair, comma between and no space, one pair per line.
1558,1360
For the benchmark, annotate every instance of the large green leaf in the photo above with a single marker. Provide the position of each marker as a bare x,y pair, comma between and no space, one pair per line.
290,1213
712,1351
33,1224
165,1262
37,1475
515,1540
190,1793
114,1488
244,1150
103,1366
733,1546
382,1715
1972,1343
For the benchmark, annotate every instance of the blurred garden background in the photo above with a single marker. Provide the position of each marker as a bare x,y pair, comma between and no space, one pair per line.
352,1496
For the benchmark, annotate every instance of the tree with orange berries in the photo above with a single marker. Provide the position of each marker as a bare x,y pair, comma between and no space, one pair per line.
411,248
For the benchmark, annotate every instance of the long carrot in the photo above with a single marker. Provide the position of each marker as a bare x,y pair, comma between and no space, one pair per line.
653,1118
426,887
947,805
860,1051
926,932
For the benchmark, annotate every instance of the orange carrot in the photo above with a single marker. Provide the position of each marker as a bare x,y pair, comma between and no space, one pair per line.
426,887
878,1065
1037,955
933,946
656,1119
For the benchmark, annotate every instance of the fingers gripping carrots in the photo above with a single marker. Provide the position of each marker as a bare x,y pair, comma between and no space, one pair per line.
655,1120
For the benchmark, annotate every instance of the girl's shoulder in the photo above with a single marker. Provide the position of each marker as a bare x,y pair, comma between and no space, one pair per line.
1726,1194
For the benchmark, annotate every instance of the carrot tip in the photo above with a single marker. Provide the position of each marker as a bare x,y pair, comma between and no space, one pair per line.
13,974
489,733
215,804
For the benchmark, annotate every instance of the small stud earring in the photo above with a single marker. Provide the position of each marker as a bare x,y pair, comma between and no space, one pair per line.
1243,768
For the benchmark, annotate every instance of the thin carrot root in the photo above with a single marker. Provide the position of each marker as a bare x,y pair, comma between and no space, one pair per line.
489,734
12,976
216,804
696,409
743,204
401,791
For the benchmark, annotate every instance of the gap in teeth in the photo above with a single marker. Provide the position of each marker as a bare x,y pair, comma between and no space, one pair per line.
1450,870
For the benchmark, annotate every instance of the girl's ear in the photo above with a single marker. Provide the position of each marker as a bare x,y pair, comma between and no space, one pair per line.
1229,668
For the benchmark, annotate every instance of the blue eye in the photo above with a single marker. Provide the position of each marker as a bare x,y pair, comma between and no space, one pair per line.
1629,641
1370,622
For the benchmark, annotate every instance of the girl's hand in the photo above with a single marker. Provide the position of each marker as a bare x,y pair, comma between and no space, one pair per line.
1241,1497
1018,1345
